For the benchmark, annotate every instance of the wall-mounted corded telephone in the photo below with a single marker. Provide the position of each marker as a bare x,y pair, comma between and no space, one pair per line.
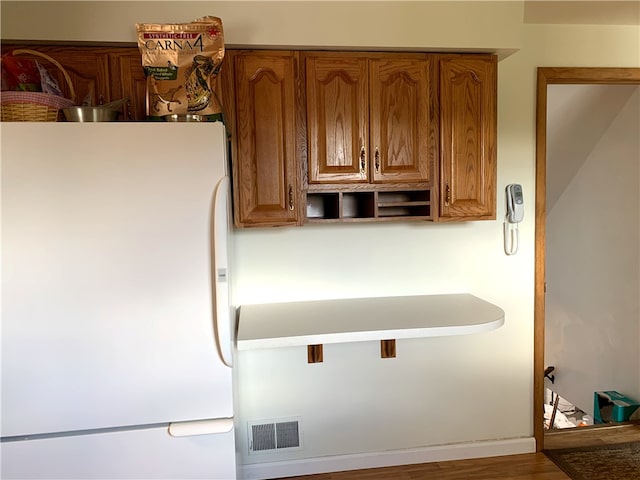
515,214
515,203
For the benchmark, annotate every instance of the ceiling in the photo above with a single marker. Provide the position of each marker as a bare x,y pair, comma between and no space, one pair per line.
626,12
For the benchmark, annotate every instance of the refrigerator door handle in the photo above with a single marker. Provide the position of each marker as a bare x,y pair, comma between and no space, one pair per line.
201,427
223,309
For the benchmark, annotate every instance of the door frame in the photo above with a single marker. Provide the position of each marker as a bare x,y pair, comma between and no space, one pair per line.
547,76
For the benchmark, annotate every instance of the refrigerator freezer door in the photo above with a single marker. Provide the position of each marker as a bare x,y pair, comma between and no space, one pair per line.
138,454
107,312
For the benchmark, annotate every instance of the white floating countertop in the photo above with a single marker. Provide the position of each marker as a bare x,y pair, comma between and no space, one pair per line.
274,325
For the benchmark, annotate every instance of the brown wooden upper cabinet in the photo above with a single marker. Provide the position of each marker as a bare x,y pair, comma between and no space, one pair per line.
88,70
370,117
403,136
128,80
468,85
98,74
261,91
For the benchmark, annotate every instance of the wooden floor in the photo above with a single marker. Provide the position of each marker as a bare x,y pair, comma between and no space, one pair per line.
589,436
530,466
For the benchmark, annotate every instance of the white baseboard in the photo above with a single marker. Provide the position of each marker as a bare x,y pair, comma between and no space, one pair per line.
338,463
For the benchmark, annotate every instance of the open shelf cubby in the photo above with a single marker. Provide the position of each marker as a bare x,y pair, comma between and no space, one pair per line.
368,205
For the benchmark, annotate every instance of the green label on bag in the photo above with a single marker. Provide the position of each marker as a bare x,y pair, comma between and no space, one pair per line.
162,73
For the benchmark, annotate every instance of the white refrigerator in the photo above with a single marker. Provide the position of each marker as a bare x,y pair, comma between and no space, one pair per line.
117,323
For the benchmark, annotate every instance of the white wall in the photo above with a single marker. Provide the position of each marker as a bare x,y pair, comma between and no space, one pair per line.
459,25
437,391
593,259
440,390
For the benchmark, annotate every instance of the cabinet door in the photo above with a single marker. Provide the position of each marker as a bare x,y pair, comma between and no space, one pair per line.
128,80
88,70
337,118
468,137
265,177
402,124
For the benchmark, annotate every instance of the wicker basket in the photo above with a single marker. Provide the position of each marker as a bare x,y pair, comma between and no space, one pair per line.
35,106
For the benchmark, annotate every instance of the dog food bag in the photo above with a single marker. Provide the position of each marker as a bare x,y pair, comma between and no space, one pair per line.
181,62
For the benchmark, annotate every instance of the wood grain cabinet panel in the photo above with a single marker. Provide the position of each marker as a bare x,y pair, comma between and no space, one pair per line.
264,142
88,69
403,125
128,80
468,137
370,117
98,74
337,118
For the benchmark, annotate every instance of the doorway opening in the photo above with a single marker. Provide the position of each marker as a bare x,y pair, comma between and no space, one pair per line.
546,193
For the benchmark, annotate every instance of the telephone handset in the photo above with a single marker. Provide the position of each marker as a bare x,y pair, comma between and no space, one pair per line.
515,214
515,203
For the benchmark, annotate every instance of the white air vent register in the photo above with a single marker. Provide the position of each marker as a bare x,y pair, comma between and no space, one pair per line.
270,435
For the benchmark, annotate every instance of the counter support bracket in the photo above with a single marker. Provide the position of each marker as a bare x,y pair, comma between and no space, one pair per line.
314,354
388,348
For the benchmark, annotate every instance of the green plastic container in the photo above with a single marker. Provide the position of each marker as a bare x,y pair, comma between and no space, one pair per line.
612,406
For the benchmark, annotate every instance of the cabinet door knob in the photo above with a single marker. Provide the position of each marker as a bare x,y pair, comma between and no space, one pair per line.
291,204
447,198
377,160
363,161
